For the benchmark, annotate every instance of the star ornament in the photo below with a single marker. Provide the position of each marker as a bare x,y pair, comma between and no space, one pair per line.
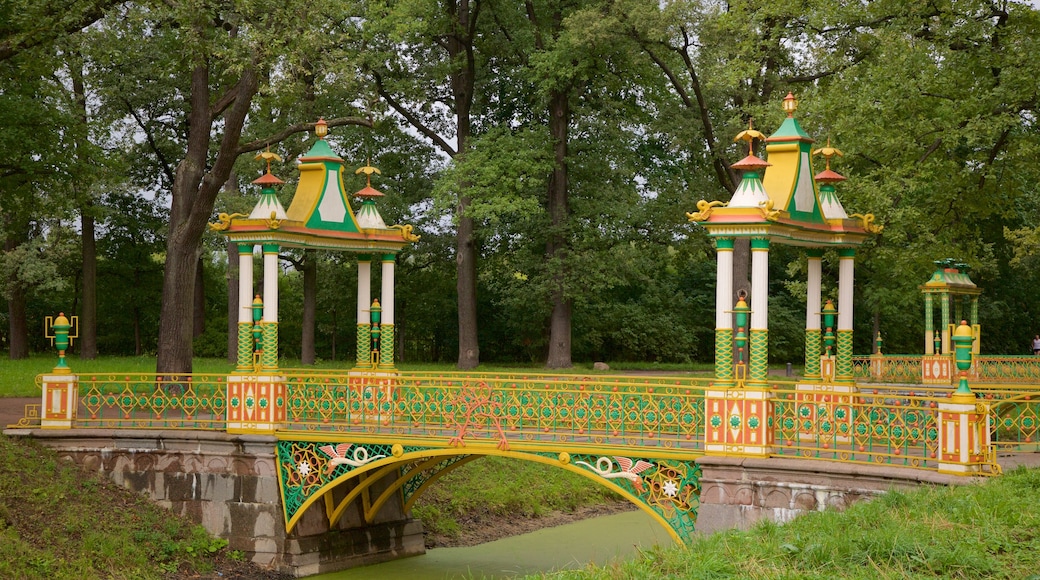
670,489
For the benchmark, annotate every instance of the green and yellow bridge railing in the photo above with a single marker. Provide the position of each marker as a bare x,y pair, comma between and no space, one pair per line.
641,436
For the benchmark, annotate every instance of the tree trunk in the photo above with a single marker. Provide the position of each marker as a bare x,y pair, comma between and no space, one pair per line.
310,293
138,347
460,49
88,312
199,313
232,302
558,244
194,193
17,324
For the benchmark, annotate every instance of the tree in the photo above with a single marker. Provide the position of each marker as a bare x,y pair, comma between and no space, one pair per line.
440,49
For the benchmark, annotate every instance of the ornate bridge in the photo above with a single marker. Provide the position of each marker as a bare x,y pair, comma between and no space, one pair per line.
639,436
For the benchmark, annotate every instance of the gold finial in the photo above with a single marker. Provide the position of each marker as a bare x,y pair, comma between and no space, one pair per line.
749,135
321,128
368,170
268,157
828,152
790,104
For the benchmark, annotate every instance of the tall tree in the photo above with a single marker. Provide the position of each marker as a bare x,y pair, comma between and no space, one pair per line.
439,65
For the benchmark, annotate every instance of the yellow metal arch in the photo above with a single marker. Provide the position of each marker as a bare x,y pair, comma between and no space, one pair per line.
376,470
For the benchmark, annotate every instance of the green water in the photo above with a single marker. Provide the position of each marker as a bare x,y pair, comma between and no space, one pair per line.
600,540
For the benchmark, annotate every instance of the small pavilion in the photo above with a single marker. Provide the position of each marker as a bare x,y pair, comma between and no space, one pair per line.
319,217
950,285
786,205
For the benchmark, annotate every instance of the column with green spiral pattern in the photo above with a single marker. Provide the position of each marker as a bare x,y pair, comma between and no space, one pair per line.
724,355
245,346
945,323
270,340
386,346
929,326
843,360
812,354
759,348
364,345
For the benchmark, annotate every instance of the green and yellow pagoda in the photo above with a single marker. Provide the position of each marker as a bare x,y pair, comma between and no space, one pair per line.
777,201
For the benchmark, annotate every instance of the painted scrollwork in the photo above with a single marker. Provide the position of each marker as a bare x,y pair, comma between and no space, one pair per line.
867,222
406,232
224,221
704,209
767,210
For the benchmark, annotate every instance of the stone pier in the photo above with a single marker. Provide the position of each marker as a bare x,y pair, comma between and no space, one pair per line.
229,485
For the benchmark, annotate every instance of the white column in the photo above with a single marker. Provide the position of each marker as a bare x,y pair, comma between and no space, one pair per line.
846,267
364,290
245,282
270,283
387,293
759,287
812,295
724,284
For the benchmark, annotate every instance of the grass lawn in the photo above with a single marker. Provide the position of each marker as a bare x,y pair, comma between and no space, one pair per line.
986,531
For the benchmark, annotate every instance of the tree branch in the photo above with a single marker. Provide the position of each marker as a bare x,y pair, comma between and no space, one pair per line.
285,133
57,20
164,164
411,118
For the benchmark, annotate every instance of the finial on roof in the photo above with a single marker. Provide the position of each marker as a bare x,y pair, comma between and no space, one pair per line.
267,156
368,170
827,152
750,163
368,192
268,178
749,135
321,128
790,104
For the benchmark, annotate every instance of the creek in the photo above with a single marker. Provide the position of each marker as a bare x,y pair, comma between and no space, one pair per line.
600,540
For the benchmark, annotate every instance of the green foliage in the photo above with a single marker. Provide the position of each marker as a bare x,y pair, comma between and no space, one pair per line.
58,522
972,531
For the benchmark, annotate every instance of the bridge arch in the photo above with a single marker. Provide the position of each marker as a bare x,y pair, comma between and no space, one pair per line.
666,488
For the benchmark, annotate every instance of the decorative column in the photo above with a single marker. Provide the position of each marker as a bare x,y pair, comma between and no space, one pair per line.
976,330
60,394
759,356
964,429
843,361
945,323
812,315
386,341
723,314
364,300
256,402
245,299
929,327
270,320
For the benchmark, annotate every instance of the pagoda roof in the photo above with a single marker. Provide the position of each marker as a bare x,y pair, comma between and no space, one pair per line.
320,215
786,203
950,277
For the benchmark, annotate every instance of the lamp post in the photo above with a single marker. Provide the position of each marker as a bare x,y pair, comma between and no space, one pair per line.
962,339
741,310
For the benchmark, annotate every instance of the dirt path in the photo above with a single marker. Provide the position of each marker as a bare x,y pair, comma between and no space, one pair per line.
13,408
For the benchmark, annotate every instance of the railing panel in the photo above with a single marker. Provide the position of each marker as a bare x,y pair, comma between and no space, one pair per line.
148,401
905,369
459,408
879,428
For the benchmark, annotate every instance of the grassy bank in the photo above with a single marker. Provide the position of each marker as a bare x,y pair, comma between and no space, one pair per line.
988,531
58,522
